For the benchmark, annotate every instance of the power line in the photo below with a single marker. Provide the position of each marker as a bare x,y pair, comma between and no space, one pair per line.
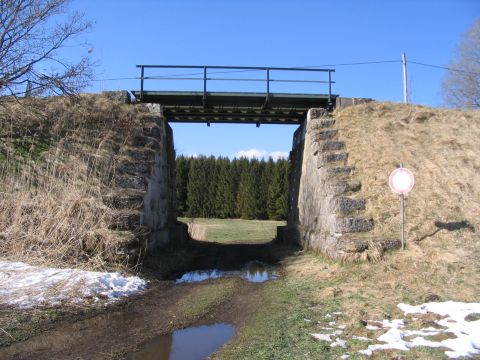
443,67
306,67
250,70
115,79
356,63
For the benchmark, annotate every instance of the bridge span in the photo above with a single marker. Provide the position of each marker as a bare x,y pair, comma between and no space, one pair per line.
237,107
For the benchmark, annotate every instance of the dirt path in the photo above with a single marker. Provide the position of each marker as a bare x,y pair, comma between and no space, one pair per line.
120,330
115,334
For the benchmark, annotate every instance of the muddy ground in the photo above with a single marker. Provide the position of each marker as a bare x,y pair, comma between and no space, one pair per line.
117,331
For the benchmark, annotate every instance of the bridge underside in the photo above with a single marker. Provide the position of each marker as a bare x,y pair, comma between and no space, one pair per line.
235,107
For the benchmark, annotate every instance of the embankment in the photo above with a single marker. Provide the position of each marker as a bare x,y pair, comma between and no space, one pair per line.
86,181
340,202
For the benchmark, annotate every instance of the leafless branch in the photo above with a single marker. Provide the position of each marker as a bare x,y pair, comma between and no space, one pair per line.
462,89
30,44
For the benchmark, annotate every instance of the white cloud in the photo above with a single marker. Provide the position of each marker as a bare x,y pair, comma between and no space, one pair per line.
261,154
250,154
278,155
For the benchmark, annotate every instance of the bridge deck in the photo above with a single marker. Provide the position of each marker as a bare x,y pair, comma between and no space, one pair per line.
235,107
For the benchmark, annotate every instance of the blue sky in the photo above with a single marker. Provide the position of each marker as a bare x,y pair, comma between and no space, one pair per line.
277,33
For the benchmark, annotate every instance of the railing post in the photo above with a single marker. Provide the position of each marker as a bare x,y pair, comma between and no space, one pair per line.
268,82
204,86
142,72
265,104
329,87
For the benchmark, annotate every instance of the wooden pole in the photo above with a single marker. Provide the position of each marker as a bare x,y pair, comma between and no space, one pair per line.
405,91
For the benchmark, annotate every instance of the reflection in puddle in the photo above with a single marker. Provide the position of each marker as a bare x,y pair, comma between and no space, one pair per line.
254,271
194,343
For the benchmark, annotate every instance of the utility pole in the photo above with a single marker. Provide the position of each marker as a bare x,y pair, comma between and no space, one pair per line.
405,91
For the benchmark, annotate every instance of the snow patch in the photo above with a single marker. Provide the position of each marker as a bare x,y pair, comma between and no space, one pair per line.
27,286
467,333
322,337
339,342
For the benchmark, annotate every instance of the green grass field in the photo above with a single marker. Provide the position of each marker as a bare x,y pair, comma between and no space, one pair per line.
233,230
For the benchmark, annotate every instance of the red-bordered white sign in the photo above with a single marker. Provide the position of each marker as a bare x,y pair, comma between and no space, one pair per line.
401,181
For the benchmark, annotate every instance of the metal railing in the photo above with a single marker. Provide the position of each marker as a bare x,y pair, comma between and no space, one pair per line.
232,69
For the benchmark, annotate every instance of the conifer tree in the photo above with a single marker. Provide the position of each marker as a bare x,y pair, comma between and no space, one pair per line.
274,193
285,164
210,174
225,202
181,174
218,187
268,168
246,198
197,184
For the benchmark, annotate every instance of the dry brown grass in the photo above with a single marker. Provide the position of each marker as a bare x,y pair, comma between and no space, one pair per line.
441,147
197,231
51,210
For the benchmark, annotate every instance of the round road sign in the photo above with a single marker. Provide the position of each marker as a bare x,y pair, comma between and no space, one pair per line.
401,181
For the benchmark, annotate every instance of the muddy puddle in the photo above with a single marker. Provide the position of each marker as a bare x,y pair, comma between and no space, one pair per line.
194,343
254,271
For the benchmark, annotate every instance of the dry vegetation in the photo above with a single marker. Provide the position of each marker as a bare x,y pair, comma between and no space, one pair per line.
197,231
56,165
440,147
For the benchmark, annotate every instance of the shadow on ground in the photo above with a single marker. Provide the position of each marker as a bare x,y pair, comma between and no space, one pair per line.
172,261
449,226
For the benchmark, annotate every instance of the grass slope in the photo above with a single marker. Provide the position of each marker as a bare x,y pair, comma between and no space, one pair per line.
440,147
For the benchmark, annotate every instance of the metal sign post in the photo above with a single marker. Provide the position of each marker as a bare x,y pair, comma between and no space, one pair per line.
401,181
402,226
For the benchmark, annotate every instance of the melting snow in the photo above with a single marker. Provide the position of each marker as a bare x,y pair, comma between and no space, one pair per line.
467,333
26,286
323,337
339,342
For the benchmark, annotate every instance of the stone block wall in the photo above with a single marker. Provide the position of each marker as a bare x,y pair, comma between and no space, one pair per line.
325,209
143,197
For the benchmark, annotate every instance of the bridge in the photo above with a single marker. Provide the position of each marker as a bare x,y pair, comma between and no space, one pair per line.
206,106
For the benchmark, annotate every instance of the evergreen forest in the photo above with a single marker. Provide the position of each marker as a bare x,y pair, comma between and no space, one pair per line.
217,187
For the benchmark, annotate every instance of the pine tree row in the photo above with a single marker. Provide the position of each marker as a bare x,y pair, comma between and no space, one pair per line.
240,188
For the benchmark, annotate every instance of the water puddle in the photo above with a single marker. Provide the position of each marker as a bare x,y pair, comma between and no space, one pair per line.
194,343
254,271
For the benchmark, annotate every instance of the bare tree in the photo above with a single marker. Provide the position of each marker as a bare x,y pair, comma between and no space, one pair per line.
461,88
32,35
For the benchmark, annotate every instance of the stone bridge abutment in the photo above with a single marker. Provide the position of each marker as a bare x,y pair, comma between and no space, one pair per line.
324,209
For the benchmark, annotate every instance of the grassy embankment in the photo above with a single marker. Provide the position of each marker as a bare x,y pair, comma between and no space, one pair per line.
57,161
56,166
441,148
